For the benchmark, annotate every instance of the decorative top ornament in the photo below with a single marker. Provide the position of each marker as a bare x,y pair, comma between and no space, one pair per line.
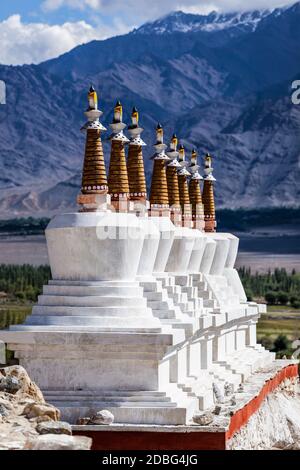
159,145
93,113
92,98
183,171
159,134
208,169
193,168
134,129
118,112
173,153
174,143
117,125
134,117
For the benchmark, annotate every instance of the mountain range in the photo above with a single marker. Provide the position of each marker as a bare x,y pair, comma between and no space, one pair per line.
222,82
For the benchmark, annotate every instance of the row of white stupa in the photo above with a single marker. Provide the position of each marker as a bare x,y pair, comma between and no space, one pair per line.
141,318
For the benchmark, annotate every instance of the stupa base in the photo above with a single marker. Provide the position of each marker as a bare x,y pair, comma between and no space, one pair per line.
215,436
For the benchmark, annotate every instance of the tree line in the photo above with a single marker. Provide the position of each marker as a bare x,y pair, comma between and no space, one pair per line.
276,288
23,282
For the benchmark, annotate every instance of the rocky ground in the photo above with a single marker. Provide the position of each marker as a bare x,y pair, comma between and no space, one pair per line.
275,426
27,422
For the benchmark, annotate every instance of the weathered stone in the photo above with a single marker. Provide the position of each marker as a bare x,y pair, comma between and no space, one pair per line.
33,410
83,421
102,417
26,388
3,411
6,404
228,389
217,393
203,419
42,419
62,442
217,410
233,401
54,427
240,389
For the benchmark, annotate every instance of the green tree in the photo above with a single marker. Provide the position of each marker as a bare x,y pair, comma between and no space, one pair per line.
282,298
271,297
281,343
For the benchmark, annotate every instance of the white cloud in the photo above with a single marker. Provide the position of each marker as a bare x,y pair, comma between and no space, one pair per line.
25,43
137,11
51,5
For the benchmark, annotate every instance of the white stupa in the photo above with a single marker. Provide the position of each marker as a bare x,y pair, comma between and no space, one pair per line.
141,317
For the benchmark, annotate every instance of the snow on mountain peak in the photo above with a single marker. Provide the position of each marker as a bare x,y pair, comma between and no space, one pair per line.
179,21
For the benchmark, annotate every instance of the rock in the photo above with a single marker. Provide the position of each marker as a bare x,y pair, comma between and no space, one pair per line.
217,410
203,419
42,419
102,417
6,404
83,421
3,410
33,410
217,393
26,388
54,427
233,401
240,389
61,442
228,389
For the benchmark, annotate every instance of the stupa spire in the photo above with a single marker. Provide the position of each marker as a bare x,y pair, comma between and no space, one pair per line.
183,174
94,181
208,196
195,193
135,162
159,200
118,177
172,181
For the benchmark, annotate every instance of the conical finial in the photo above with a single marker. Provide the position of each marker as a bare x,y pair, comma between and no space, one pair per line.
174,143
181,154
159,134
208,169
135,117
92,98
194,158
118,112
208,161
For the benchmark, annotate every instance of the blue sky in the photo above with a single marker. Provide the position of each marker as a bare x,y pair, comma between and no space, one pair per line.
35,30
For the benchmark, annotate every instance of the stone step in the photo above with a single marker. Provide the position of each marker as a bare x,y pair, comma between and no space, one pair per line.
164,314
159,401
99,329
91,311
152,415
78,290
205,294
183,280
202,285
91,301
117,393
150,296
160,304
58,282
209,303
167,281
105,404
100,321
151,286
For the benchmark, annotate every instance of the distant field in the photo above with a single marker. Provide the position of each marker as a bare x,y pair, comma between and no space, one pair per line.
13,313
280,320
